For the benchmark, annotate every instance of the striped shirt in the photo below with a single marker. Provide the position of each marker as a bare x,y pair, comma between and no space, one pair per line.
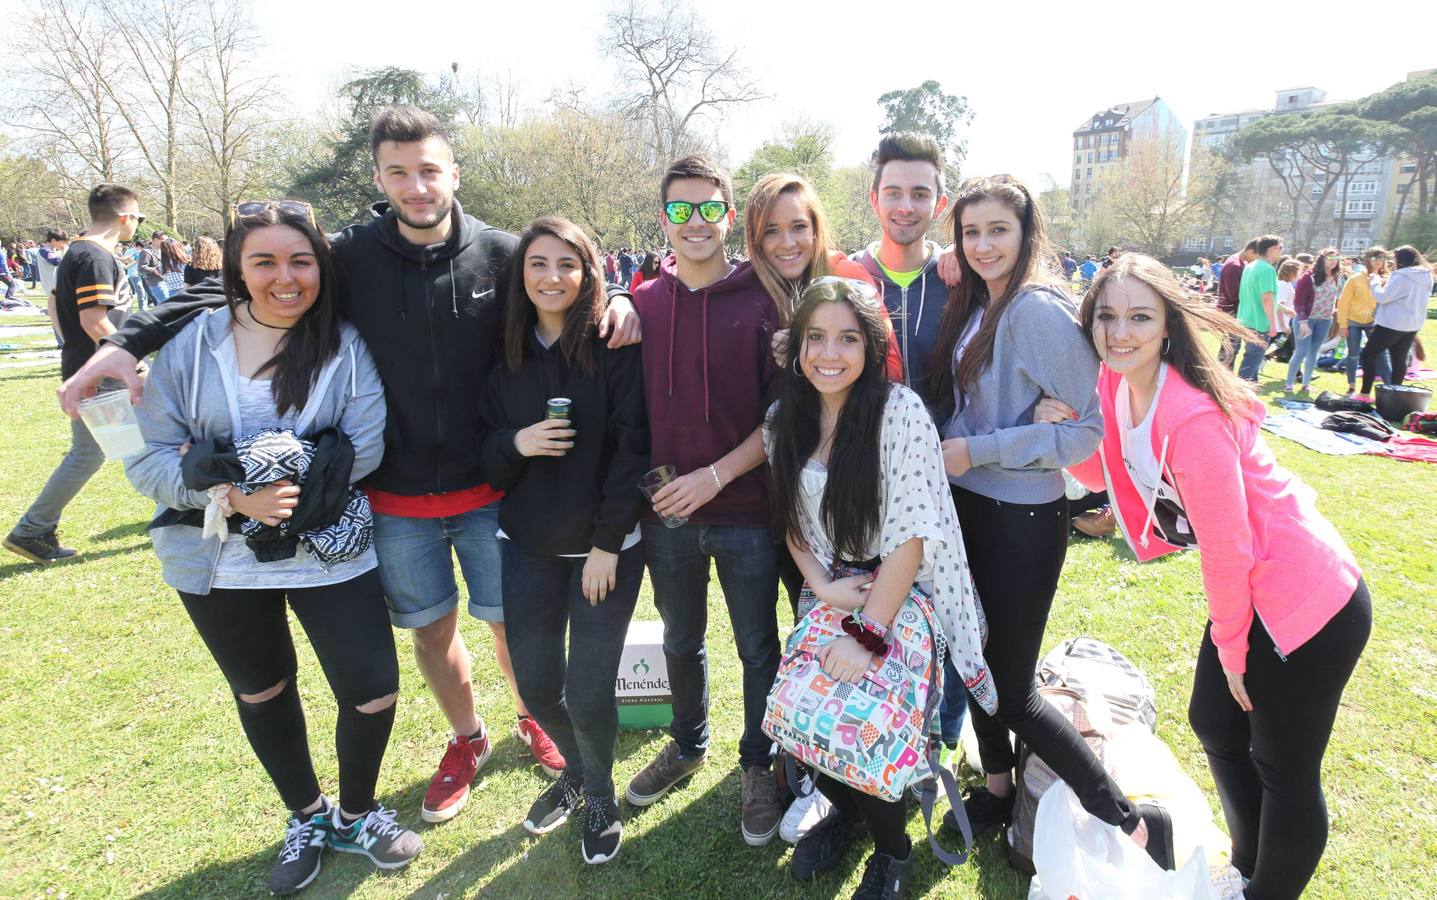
89,276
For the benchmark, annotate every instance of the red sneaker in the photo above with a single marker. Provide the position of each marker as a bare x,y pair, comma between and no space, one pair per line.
449,788
549,757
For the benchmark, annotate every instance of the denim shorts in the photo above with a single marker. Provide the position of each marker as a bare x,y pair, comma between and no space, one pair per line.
416,565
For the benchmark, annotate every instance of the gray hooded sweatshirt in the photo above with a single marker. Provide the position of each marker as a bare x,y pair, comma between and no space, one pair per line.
190,396
1039,349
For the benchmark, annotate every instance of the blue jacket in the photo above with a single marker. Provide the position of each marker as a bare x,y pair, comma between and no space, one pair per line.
915,311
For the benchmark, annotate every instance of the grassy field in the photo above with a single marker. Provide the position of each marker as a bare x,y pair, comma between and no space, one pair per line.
123,771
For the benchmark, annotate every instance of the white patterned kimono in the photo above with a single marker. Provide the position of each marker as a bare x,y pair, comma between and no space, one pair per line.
917,503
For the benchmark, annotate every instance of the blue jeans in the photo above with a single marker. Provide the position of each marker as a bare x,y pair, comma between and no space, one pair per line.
1251,365
572,699
747,561
159,292
1304,349
1357,336
954,708
416,565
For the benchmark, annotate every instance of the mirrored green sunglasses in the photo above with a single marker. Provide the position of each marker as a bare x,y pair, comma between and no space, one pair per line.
680,211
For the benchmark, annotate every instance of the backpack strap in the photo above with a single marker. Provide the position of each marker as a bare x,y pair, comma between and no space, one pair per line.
928,791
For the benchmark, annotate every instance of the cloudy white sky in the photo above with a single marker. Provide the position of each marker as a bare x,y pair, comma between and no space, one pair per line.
1032,71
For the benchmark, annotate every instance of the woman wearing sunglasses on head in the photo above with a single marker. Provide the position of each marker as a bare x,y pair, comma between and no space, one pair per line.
258,419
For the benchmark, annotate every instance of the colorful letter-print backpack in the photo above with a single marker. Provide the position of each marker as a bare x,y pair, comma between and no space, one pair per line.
874,735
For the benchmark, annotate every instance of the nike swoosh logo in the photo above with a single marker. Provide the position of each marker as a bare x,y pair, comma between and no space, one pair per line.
478,294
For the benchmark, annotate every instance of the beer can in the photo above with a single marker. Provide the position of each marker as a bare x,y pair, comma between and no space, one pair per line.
558,408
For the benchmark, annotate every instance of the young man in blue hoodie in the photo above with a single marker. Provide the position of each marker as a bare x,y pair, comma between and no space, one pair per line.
708,375
907,196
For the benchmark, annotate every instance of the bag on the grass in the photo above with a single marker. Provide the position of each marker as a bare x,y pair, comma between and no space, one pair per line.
1034,777
1280,348
1361,424
1327,401
1092,668
1079,857
1421,422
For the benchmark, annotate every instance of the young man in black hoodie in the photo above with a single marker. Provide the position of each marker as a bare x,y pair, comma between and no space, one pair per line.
425,285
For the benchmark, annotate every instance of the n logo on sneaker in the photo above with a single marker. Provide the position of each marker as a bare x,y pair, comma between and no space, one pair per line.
366,840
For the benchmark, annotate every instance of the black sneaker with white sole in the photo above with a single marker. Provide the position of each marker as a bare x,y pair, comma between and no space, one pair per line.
299,857
376,835
554,806
44,549
603,832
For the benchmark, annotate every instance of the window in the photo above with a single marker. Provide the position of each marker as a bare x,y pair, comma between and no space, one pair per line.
1407,168
1090,156
1077,174
1077,157
1090,171
1354,242
1361,206
1195,243
1361,187
1404,188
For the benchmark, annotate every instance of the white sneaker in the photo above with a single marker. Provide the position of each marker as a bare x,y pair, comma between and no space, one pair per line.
804,813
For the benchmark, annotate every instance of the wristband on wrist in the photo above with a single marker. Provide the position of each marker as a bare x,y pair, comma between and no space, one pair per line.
873,643
870,623
220,496
718,482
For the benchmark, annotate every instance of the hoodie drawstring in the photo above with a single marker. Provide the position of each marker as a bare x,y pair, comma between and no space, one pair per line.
706,355
673,324
1152,502
922,295
453,297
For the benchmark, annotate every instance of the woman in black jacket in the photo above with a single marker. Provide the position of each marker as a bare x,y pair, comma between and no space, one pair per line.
569,521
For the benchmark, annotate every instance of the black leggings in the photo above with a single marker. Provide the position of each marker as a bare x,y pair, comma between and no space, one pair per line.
887,820
1267,764
1396,344
1016,554
348,627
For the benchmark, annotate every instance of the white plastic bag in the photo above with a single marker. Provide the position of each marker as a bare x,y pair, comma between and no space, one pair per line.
1078,856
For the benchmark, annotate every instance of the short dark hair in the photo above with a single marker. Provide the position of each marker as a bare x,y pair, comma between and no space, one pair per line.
56,234
157,235
1251,246
403,125
1406,256
697,165
1112,250
910,146
1266,243
105,201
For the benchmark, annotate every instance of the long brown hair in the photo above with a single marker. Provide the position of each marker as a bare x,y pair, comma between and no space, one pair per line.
1036,264
580,319
312,341
1186,316
756,213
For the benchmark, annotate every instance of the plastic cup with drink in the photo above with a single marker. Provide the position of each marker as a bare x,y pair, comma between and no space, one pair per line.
652,483
112,423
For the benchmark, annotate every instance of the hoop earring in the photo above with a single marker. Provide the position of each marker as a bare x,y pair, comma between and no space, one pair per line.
1167,344
796,370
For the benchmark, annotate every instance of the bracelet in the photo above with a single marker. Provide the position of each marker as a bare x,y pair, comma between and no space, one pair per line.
715,474
870,623
871,642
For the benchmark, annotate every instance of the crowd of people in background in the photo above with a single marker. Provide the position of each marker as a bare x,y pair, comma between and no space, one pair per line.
868,432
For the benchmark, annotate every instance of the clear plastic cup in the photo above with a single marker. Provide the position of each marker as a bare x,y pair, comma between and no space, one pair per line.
112,423
652,482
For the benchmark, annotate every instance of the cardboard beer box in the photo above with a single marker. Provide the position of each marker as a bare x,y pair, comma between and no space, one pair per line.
642,685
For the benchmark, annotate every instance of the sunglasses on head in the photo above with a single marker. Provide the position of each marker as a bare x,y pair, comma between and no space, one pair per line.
289,207
680,211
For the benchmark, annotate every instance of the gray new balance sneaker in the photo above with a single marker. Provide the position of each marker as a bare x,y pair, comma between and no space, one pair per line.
299,857
388,844
667,770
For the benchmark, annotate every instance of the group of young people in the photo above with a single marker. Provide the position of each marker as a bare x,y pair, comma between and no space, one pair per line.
822,415
1377,308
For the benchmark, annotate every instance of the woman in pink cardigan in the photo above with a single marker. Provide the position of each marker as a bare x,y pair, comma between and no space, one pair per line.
1186,467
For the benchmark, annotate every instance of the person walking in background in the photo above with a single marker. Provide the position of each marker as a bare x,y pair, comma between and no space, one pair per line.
1257,303
47,264
1229,284
92,296
647,270
1401,309
173,261
1355,309
1315,301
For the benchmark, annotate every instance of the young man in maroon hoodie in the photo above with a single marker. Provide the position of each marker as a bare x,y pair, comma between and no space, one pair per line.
708,375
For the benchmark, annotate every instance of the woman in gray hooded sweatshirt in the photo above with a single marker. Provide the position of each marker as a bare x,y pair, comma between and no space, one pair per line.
278,357
1010,335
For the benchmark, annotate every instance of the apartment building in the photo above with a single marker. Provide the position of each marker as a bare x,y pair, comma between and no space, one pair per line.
1102,142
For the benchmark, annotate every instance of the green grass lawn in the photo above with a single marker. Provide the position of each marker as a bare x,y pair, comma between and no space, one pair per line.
123,770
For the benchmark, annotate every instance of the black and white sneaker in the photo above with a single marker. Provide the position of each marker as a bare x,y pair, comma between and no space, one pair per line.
603,832
553,807
299,857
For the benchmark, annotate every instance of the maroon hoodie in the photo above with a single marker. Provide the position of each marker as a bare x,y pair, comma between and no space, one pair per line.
708,380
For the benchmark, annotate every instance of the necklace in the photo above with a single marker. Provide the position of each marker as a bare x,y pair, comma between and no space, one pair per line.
249,314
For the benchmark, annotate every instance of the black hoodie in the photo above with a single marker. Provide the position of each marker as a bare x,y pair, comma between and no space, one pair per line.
433,319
